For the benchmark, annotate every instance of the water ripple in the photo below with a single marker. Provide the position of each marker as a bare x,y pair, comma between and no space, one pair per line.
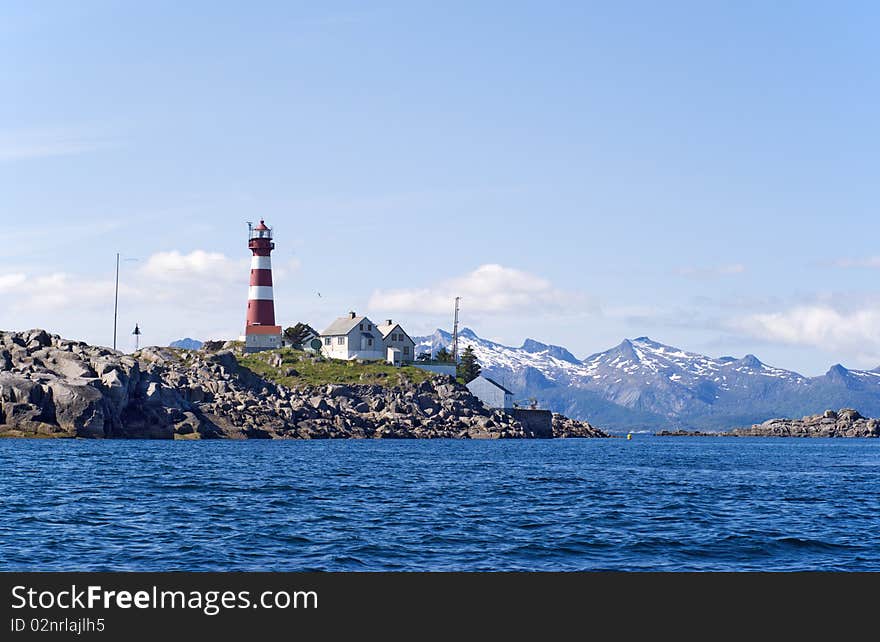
649,504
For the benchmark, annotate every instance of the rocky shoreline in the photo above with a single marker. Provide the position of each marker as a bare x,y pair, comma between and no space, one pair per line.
53,387
842,423
832,423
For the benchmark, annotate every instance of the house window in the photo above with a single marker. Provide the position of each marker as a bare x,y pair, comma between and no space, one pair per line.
327,341
362,327
369,342
369,327
405,349
341,341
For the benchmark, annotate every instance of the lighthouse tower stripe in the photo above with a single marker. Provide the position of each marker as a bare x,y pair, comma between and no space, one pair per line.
261,277
261,307
260,293
261,262
261,313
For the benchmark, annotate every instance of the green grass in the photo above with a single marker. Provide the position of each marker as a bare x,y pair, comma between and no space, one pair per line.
327,371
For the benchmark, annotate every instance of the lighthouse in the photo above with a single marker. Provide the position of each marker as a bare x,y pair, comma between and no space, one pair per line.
260,332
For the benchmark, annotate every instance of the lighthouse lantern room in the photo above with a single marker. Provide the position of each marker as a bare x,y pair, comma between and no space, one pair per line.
260,332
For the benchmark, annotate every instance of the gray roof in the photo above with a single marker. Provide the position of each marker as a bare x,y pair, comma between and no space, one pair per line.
342,325
386,329
494,383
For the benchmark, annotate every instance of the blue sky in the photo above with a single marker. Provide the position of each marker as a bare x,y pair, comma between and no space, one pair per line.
703,173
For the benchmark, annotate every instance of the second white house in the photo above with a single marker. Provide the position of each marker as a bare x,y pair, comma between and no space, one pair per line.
357,337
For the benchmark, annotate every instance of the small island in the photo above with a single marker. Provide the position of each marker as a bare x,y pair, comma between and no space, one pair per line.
842,423
54,387
832,423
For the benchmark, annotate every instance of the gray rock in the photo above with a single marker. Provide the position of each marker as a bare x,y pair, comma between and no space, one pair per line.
49,385
79,408
844,423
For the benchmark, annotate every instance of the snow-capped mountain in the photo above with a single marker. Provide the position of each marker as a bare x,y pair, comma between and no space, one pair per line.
641,383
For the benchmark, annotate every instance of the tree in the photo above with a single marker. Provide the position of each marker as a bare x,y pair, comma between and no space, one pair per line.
295,335
424,356
469,368
443,356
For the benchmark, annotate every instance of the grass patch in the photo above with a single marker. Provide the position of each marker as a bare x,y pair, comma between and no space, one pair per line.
316,373
18,434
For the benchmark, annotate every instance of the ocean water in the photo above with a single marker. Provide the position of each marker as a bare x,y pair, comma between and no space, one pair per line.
654,504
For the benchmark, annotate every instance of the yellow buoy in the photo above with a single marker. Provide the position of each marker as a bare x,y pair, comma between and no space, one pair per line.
629,435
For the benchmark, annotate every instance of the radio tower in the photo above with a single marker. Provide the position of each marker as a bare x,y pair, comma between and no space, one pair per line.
260,332
455,332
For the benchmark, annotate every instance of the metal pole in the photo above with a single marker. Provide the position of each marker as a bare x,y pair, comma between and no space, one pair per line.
116,301
455,332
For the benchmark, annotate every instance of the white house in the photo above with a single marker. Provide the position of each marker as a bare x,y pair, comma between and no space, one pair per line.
353,337
397,340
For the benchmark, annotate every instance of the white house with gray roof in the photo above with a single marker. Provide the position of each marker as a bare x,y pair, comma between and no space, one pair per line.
397,339
353,337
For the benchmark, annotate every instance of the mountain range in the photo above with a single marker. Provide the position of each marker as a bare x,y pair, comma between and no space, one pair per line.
641,384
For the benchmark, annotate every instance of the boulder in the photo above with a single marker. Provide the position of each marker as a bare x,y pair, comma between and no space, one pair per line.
80,408
115,385
39,338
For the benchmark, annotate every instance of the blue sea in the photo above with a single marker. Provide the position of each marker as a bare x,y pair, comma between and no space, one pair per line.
650,504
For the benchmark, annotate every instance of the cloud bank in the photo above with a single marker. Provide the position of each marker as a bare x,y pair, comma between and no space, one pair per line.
491,288
855,333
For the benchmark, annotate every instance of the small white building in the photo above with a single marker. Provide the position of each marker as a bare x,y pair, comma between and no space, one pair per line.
262,337
395,358
353,337
491,393
396,338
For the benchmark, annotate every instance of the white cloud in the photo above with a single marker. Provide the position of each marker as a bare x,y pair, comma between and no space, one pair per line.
62,291
854,334
195,266
490,288
10,282
30,298
869,262
712,271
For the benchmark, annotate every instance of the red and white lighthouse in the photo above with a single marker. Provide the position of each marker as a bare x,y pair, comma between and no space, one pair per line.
260,332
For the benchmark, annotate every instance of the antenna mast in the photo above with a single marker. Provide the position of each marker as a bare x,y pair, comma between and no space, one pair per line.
116,301
455,332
